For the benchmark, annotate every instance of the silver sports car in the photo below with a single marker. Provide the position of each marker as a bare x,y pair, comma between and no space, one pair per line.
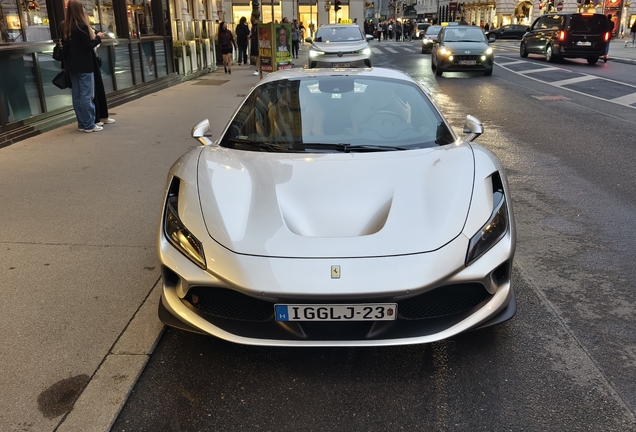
337,208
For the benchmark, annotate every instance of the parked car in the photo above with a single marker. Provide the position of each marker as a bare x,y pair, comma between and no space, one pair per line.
340,45
567,35
462,49
337,208
512,31
430,38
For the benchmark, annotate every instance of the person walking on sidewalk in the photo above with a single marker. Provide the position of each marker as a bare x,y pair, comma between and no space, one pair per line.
610,27
295,39
226,41
79,40
242,37
254,44
632,30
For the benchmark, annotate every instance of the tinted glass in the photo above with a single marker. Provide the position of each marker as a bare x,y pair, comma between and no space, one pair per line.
588,24
551,22
339,110
433,30
339,34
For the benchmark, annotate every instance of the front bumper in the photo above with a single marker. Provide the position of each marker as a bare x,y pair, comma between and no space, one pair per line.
446,65
332,60
437,296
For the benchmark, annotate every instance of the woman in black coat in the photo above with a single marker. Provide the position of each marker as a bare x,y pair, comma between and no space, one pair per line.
79,41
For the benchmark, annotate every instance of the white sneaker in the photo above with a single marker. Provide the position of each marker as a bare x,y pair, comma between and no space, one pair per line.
99,123
95,129
255,73
107,121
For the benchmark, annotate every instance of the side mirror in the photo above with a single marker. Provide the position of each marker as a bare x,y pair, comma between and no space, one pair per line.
491,39
309,40
473,128
201,132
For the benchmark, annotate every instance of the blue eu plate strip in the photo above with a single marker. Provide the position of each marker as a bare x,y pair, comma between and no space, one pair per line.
281,313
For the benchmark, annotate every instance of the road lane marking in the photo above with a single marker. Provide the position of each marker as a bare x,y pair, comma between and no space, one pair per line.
574,80
511,63
391,50
625,100
545,69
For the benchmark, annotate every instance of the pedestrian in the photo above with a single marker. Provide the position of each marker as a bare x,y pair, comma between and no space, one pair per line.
311,29
378,31
390,31
301,27
101,105
398,31
632,30
242,36
254,45
295,39
79,40
385,30
486,27
226,42
610,28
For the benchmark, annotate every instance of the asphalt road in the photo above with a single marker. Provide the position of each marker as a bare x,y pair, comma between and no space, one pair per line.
566,362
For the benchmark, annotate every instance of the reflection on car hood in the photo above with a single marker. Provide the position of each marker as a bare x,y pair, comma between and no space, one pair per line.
336,204
462,47
340,46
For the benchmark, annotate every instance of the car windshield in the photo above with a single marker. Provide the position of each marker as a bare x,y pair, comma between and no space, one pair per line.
433,30
464,34
338,34
336,113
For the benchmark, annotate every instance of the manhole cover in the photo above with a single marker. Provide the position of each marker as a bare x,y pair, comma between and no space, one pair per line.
551,98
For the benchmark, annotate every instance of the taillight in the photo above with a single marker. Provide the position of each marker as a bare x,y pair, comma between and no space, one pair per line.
607,36
561,35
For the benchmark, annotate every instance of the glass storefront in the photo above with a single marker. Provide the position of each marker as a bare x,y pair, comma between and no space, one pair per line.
343,13
308,14
29,26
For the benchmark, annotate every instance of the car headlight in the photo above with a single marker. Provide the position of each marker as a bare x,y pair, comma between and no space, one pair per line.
445,51
426,41
315,53
488,51
176,232
493,231
365,51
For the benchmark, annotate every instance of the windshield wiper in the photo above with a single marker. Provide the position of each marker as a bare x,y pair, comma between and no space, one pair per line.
262,145
347,148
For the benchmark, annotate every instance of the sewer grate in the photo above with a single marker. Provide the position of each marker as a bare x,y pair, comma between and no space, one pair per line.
551,98
241,94
210,82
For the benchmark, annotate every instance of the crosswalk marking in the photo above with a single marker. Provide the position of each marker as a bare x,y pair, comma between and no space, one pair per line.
574,80
625,100
511,63
545,69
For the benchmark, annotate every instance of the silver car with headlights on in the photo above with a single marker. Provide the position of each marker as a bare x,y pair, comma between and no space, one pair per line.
339,45
337,208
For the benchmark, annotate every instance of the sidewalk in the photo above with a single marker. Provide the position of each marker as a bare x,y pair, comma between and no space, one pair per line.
620,53
78,268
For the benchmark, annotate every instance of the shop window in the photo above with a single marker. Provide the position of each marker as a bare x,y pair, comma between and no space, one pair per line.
343,13
140,19
29,26
18,90
266,12
308,15
238,12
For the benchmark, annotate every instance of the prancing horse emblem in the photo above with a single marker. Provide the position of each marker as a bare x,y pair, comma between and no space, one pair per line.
335,272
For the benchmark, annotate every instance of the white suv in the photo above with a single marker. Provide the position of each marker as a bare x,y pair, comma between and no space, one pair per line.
339,45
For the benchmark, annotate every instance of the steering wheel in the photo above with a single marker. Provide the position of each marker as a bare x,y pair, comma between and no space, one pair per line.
386,113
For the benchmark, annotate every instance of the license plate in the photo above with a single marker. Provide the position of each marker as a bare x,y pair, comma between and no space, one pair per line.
358,312
584,43
342,65
467,62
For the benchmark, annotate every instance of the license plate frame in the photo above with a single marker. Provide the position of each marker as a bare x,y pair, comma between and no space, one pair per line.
340,65
584,43
335,312
467,62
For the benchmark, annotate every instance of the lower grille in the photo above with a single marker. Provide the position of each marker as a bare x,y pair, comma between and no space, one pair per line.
466,57
440,302
443,301
225,303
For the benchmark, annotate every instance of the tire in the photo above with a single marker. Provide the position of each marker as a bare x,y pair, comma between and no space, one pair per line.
523,52
488,72
438,71
593,60
550,57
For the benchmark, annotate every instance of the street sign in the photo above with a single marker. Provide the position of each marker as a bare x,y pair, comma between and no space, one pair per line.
559,6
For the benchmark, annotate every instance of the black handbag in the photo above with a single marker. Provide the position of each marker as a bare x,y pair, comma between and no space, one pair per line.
62,80
58,51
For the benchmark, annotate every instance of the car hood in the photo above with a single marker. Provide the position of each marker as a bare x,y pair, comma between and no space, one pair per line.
467,47
335,205
344,47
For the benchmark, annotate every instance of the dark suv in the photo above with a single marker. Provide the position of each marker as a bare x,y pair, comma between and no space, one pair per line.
567,35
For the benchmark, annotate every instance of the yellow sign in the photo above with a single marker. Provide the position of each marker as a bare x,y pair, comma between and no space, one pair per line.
45,21
346,21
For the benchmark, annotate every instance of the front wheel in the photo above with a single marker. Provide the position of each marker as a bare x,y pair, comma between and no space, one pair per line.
523,52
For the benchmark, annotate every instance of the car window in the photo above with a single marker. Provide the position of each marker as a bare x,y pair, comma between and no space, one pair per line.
422,26
338,110
464,34
339,34
433,30
552,22
588,24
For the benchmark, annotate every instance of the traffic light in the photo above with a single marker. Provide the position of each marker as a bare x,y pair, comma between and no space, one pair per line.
403,7
337,5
